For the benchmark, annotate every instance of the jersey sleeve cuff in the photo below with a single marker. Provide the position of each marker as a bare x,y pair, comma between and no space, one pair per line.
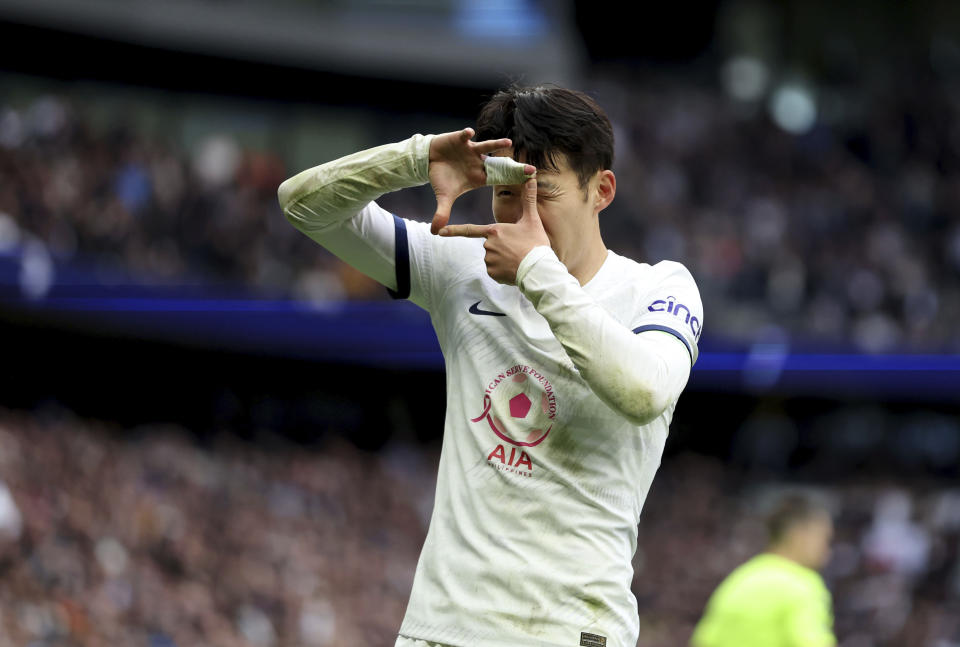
421,149
532,258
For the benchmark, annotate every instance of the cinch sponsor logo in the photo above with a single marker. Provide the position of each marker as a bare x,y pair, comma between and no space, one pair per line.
670,306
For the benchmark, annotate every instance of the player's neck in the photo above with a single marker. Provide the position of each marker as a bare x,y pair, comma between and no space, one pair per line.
787,553
584,257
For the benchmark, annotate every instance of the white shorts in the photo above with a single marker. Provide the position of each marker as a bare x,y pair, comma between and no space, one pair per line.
403,641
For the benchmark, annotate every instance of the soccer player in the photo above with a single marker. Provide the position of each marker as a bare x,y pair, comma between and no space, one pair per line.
564,364
777,599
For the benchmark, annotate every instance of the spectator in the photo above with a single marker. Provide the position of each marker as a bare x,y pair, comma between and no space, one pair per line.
143,536
841,236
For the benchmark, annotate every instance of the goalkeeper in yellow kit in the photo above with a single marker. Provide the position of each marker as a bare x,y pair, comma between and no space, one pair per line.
777,599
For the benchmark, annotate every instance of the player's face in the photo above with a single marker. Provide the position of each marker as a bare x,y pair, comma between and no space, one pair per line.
564,206
817,533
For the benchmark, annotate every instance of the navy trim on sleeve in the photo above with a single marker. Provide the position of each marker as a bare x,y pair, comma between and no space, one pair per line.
401,260
668,330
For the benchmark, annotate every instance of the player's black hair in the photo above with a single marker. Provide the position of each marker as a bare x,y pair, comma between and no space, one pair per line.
790,511
545,122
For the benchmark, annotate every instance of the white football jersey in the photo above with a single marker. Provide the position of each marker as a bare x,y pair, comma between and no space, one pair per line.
540,483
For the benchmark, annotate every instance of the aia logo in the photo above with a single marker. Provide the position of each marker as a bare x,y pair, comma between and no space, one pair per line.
670,306
518,462
519,406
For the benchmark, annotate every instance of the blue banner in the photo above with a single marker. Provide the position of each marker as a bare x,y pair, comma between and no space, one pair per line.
399,335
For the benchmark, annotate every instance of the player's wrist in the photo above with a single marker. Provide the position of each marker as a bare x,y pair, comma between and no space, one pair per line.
534,256
422,146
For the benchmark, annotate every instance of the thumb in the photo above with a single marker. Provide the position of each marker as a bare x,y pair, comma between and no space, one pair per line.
529,195
442,215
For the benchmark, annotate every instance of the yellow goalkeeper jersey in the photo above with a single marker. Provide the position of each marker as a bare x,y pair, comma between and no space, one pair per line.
769,601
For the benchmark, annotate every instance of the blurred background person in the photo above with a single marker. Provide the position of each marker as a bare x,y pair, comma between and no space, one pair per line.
777,598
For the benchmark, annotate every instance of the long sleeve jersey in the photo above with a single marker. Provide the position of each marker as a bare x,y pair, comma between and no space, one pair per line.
558,401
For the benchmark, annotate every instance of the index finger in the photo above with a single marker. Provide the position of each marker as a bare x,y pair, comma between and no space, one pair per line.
492,145
466,231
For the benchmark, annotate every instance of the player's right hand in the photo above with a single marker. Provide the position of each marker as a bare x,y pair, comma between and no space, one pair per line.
456,166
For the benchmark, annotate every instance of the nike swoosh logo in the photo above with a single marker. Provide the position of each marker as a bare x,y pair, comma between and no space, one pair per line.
475,310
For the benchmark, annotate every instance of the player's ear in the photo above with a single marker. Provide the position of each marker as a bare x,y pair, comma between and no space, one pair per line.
606,190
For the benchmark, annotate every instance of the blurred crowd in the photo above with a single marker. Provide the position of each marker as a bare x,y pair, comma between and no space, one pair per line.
151,536
149,539
847,233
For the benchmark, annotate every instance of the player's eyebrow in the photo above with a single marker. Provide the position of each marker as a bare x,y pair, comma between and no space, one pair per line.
543,185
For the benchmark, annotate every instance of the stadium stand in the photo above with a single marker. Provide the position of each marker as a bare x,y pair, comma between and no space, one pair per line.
212,432
217,541
843,236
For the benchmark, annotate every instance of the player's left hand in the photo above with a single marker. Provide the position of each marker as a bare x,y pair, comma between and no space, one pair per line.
508,243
